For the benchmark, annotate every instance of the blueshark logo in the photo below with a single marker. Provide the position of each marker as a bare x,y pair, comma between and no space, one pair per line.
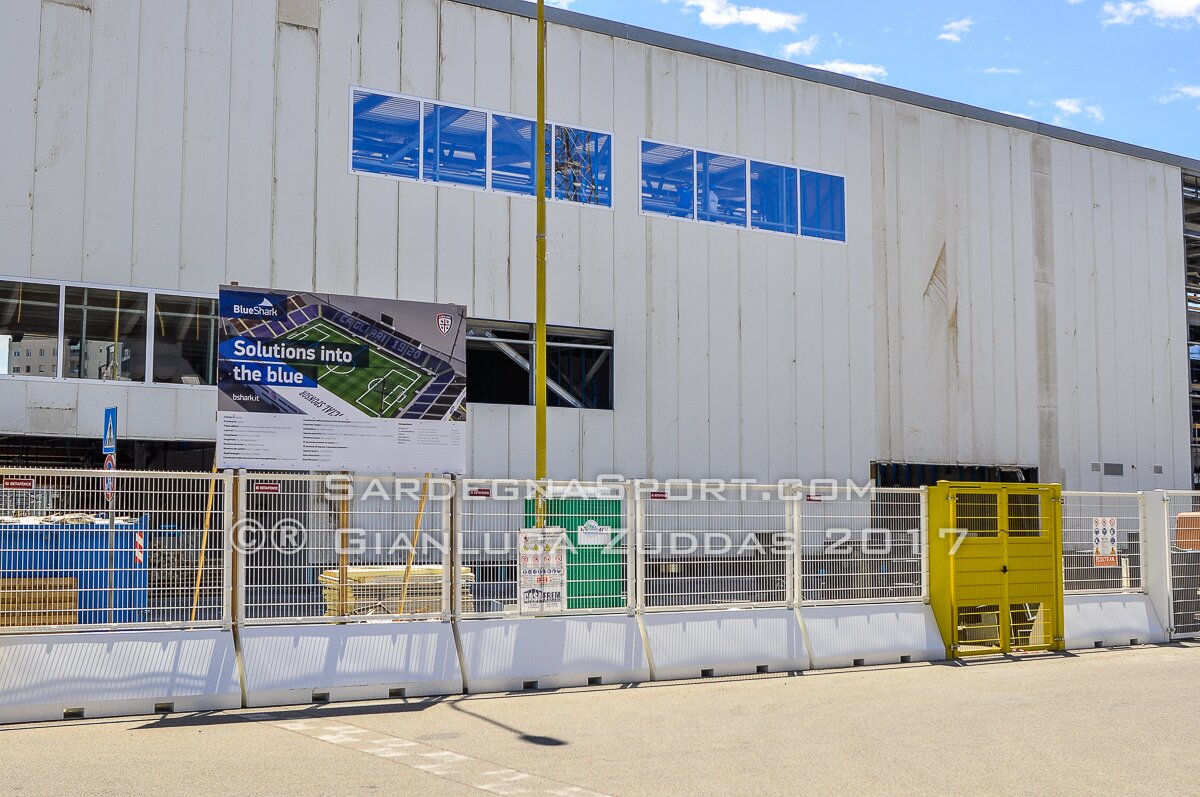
263,309
246,304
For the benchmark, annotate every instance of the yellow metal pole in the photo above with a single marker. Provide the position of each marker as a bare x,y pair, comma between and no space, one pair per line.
412,553
115,372
212,489
540,353
344,557
539,387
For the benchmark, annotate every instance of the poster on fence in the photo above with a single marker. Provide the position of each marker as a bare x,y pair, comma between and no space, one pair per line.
318,382
542,571
1104,542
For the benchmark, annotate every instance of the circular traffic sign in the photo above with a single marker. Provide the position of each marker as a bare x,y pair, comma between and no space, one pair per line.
110,463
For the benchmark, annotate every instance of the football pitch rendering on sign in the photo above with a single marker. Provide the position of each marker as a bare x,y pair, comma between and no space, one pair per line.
321,382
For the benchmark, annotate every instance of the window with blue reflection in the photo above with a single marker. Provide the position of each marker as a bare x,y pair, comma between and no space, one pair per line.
720,189
582,166
668,174
773,197
822,206
455,145
386,137
512,155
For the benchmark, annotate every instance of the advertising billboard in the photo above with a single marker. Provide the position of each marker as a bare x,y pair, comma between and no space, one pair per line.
319,382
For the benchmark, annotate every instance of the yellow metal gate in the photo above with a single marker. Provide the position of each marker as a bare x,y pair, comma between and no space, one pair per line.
995,566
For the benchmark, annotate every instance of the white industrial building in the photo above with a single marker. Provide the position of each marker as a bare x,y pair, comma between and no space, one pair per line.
757,269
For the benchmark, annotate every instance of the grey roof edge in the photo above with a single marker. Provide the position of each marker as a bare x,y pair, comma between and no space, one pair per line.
653,38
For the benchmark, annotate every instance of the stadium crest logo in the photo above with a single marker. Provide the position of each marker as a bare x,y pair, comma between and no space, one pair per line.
444,322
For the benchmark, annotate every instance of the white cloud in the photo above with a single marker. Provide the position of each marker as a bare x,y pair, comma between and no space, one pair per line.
1179,92
720,13
1074,2
1071,107
872,72
1002,70
1181,13
1121,13
953,30
560,3
1019,115
804,47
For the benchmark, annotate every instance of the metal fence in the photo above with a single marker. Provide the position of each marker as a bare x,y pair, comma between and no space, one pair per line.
862,546
511,568
97,550
313,548
1083,570
1183,523
704,546
340,548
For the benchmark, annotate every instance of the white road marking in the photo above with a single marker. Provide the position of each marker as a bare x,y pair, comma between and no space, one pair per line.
464,769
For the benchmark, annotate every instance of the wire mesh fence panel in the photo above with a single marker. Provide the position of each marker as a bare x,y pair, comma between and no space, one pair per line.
1087,519
544,548
861,546
707,546
112,549
1184,530
339,548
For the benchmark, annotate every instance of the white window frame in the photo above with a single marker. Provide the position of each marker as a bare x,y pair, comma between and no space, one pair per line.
750,189
697,149
653,215
487,186
800,208
151,299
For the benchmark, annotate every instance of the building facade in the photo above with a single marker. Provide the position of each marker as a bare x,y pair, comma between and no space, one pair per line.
756,269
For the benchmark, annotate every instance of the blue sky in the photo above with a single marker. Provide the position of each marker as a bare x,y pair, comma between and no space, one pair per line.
1127,70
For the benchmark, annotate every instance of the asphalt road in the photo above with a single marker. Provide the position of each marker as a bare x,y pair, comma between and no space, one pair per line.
1099,722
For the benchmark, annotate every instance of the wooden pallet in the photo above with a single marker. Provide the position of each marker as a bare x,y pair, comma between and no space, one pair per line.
38,601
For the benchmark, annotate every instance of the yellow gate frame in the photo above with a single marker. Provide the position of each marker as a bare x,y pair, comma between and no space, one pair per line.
995,566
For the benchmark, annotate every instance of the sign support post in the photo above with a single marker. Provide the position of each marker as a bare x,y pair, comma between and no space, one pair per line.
108,447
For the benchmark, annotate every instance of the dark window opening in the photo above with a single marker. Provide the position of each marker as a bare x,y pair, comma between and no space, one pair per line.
106,333
912,474
29,319
35,451
500,361
185,340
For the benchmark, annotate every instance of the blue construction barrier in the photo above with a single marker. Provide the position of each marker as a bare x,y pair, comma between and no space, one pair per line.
85,552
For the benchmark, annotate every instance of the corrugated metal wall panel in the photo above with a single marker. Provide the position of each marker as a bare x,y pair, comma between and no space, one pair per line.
977,313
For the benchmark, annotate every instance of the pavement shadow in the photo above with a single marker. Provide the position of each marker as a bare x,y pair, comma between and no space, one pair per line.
542,741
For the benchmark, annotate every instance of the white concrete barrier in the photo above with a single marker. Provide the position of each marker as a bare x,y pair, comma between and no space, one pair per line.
1108,620
116,673
293,664
728,642
510,654
866,634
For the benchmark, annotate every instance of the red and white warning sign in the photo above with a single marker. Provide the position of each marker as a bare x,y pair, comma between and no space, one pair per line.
542,571
1104,542
17,483
139,547
264,487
